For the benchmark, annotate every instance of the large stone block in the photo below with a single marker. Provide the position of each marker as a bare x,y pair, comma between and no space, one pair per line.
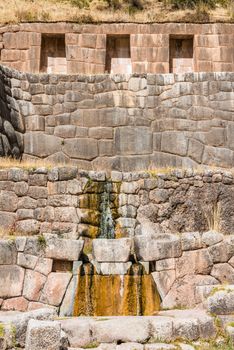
157,247
221,157
164,280
221,301
111,250
121,329
133,140
41,145
8,252
63,249
8,201
33,284
223,272
43,335
18,304
13,277
200,262
55,287
81,148
174,142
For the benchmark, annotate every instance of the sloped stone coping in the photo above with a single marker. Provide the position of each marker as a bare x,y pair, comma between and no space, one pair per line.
167,326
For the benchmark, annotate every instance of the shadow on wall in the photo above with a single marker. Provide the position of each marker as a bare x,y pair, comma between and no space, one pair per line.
11,123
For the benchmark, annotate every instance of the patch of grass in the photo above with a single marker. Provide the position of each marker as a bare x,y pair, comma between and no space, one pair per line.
2,330
212,214
91,345
41,241
96,11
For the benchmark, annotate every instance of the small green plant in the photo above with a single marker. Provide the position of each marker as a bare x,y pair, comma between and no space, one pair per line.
91,345
41,241
2,330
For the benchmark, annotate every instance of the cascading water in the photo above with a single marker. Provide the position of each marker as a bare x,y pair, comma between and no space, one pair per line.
132,294
107,224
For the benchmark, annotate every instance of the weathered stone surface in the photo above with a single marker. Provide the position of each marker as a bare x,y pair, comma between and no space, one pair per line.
28,226
191,241
160,346
67,306
223,273
126,330
133,140
174,142
62,249
33,284
8,252
13,277
192,323
19,304
44,265
220,252
79,331
40,144
111,250
55,287
210,238
43,335
162,328
184,287
200,262
8,201
149,248
130,346
81,148
221,302
7,220
164,280
118,268
26,260
20,321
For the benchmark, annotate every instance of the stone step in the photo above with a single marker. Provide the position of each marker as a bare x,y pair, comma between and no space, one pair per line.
167,326
138,346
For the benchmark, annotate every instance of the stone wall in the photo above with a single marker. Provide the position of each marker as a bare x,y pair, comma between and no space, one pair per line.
45,271
75,204
126,122
11,122
149,43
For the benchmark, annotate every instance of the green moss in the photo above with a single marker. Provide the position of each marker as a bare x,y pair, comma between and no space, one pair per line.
220,289
91,345
41,241
2,330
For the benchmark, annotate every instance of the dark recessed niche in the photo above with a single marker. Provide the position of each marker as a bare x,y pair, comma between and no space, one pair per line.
62,266
118,54
181,53
53,54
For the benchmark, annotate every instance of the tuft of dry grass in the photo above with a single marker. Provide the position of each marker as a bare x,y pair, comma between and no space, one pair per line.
97,11
6,163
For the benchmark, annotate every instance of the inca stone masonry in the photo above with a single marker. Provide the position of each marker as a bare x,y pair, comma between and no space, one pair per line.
132,119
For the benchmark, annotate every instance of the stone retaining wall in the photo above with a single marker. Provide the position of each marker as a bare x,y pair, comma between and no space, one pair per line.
11,122
20,45
74,203
123,122
44,271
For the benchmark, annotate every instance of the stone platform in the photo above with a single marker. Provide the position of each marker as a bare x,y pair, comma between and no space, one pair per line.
107,333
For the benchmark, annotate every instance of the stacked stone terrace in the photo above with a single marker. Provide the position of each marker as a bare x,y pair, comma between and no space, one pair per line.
139,48
122,122
35,276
